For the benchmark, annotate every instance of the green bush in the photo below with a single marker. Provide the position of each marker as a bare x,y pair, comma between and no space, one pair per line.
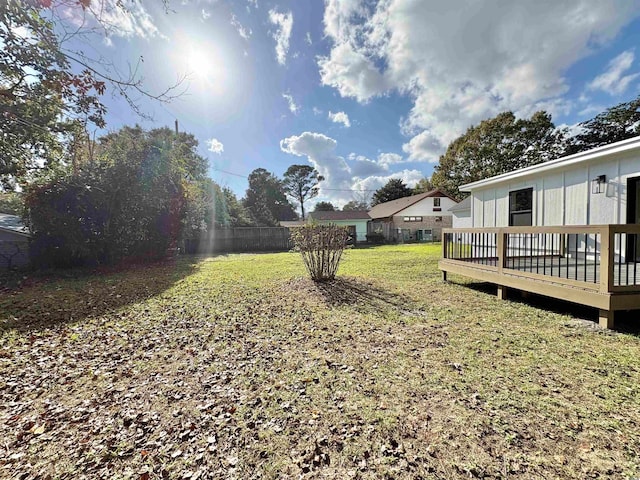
321,247
130,203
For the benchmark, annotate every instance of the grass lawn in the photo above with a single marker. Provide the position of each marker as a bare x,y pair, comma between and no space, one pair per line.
239,367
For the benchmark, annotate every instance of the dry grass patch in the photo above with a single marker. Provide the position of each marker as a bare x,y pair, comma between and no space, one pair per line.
240,367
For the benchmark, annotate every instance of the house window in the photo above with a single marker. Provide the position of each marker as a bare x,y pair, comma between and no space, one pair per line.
412,219
521,207
436,202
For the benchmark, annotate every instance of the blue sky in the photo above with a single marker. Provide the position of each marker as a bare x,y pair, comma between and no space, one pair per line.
365,90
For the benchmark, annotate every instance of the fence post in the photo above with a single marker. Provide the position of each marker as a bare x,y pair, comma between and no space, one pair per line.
444,252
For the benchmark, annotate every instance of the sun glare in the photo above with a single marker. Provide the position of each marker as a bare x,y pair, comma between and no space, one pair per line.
201,64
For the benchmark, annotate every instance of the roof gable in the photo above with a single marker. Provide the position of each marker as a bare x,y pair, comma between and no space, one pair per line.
388,209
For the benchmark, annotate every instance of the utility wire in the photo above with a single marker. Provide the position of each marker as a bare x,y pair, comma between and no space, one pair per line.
323,188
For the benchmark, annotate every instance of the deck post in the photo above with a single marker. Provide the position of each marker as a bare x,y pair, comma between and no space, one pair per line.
501,248
607,257
502,292
605,318
444,275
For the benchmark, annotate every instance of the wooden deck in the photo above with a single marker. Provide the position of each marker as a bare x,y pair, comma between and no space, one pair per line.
559,262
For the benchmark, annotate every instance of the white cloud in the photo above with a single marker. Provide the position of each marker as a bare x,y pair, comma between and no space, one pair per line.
242,31
129,22
308,39
345,177
205,14
284,24
317,111
215,146
340,117
293,106
464,61
613,81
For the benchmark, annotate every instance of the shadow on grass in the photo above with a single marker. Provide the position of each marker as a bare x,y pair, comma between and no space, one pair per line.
354,292
625,321
49,299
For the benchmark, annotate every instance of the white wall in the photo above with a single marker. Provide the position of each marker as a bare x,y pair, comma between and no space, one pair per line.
563,196
361,227
461,219
425,207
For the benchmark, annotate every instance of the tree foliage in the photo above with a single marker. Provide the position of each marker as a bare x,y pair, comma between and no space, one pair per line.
498,145
301,183
614,124
355,205
424,185
49,91
324,207
11,203
394,189
132,201
266,201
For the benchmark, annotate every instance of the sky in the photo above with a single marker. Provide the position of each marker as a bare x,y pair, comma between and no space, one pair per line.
364,91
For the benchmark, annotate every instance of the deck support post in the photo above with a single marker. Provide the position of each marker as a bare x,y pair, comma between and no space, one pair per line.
502,292
444,275
605,318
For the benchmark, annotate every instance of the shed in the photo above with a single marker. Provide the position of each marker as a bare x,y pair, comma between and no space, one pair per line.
354,220
14,241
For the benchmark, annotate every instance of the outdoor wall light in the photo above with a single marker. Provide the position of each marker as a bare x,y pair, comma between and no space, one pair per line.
598,184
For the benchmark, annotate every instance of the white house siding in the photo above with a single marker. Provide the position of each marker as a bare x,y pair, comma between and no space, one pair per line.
461,219
563,196
425,207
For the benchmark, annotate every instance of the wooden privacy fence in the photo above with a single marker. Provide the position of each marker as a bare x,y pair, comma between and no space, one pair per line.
242,239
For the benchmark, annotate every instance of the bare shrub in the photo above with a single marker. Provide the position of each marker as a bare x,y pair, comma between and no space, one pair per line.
321,247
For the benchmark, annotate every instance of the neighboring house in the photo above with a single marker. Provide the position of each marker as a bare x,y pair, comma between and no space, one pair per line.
355,221
568,228
461,214
416,218
14,242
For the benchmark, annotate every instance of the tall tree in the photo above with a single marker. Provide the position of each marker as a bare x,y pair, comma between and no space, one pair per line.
266,200
324,207
133,200
614,124
394,189
49,85
355,205
301,183
498,145
424,185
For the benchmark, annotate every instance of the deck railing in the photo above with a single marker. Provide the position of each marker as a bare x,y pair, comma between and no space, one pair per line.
602,258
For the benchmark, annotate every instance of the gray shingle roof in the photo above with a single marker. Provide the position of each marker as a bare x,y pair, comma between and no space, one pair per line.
463,205
348,215
13,223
